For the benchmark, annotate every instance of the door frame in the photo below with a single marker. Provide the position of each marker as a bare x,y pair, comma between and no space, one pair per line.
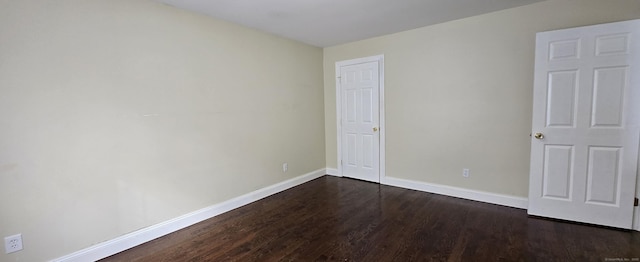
382,130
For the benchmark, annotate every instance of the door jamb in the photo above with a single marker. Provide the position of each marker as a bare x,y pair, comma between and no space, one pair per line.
381,123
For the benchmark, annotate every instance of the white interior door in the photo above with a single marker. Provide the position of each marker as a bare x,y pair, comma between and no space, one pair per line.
586,111
358,85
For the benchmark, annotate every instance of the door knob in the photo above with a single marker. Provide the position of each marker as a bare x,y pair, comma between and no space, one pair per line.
375,129
538,135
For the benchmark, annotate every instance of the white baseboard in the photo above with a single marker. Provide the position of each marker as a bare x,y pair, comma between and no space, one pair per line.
333,172
144,235
498,199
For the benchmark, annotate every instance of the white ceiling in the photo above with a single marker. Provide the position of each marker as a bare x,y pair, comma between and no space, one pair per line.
332,22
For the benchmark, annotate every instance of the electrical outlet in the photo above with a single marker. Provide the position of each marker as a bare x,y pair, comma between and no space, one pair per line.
13,243
285,167
465,172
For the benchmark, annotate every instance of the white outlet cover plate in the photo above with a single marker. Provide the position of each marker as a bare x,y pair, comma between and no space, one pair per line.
13,243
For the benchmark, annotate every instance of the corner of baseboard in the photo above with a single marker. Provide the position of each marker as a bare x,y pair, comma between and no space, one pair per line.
124,242
481,196
333,172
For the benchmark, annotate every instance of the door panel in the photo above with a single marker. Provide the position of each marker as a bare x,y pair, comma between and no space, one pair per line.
561,98
587,107
603,175
565,49
617,44
558,172
609,87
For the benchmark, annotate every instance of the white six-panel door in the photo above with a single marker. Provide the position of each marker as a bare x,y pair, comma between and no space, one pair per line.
586,111
359,120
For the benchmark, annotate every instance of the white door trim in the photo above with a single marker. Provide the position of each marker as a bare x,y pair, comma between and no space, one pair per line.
382,132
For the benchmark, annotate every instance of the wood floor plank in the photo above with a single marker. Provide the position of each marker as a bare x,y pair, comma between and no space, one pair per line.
340,219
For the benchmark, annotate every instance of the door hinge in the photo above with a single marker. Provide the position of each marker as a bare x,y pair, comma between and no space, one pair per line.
635,202
341,164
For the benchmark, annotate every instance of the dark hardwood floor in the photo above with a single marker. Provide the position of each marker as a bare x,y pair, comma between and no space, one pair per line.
339,219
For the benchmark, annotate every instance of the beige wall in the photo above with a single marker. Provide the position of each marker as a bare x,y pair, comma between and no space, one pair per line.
459,94
116,115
